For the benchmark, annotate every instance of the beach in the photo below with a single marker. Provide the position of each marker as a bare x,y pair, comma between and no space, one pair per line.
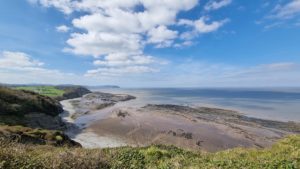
110,120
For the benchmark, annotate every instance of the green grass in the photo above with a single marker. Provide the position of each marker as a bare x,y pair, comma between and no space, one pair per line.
27,135
50,91
285,155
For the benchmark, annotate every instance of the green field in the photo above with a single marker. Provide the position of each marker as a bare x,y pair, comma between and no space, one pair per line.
50,91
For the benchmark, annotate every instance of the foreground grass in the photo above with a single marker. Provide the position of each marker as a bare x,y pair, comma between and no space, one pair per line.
27,135
50,91
284,154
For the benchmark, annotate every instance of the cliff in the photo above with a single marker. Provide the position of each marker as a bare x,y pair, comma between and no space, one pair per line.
28,117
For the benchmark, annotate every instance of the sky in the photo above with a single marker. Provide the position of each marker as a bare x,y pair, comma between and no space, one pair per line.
151,43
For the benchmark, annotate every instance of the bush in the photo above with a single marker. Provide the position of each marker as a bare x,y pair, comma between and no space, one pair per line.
284,154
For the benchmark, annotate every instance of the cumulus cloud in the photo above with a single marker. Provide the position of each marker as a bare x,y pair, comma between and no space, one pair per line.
118,64
103,43
115,32
200,26
123,59
162,36
17,60
62,28
216,4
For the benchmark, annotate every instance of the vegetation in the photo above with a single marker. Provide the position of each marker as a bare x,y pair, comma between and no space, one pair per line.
71,92
25,147
50,91
57,92
20,108
28,135
285,154
21,102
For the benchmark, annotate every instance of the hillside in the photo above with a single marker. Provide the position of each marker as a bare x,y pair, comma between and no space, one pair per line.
284,154
71,92
28,117
22,102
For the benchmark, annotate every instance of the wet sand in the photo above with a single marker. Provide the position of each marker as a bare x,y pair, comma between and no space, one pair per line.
207,129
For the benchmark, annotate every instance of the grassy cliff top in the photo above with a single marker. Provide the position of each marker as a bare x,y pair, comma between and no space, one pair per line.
284,154
50,91
57,92
21,102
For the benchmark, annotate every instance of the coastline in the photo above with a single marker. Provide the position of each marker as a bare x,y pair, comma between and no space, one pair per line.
208,129
78,133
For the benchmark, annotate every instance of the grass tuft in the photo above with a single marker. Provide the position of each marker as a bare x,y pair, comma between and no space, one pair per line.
285,154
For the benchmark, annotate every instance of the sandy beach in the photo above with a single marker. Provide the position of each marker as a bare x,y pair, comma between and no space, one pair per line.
194,128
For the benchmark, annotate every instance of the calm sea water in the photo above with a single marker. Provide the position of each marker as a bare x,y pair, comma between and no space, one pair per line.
269,103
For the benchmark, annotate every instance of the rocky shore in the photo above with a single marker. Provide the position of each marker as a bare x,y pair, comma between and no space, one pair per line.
96,101
201,128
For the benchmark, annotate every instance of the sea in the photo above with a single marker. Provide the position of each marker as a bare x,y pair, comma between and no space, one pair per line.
281,104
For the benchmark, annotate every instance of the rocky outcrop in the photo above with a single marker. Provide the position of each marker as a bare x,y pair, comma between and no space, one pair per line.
228,116
96,101
72,92
109,97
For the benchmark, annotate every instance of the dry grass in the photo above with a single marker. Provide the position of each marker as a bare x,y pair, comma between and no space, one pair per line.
284,154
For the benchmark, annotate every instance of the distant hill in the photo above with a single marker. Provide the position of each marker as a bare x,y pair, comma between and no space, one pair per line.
104,87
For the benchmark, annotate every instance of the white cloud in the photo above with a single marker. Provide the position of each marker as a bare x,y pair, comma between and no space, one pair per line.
19,67
162,36
216,4
62,28
118,21
62,5
17,60
121,29
112,19
200,26
119,71
286,11
122,59
103,43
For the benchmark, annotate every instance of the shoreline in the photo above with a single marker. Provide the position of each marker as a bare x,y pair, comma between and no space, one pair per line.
78,133
208,129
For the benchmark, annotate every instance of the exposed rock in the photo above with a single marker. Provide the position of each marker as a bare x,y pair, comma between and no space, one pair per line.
229,116
109,97
181,133
39,120
72,92
96,101
121,113
199,142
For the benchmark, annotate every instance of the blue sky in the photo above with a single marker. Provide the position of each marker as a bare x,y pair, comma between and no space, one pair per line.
151,43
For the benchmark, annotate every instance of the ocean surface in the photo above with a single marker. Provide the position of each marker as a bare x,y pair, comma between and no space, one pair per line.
281,104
